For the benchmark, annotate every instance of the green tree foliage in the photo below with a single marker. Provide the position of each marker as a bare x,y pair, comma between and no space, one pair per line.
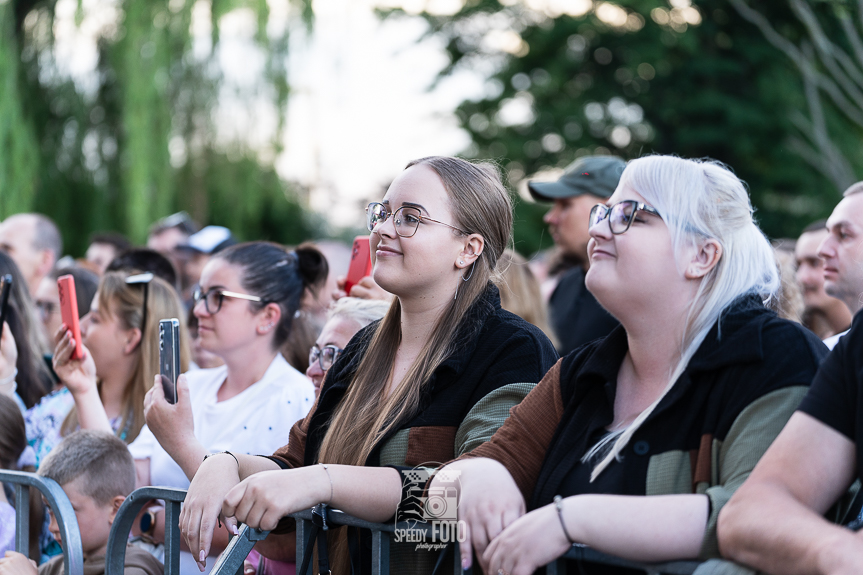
137,139
632,78
18,165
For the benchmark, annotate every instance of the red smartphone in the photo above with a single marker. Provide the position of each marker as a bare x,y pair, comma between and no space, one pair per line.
69,311
361,263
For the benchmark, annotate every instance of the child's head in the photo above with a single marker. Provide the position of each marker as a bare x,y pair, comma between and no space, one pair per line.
97,472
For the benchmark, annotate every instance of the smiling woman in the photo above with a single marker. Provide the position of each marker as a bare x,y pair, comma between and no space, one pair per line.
430,381
632,444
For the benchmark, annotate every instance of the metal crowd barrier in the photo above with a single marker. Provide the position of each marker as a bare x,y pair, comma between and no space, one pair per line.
125,518
233,556
73,553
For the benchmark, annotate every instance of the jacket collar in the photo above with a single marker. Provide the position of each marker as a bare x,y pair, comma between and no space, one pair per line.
735,338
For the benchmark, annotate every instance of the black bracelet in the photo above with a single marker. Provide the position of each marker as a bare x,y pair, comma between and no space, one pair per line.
220,453
558,503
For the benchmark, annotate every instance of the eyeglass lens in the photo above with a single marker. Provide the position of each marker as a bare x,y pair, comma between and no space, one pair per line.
212,299
405,219
325,357
619,216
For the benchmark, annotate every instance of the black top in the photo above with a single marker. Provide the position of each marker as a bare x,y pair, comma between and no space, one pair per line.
757,353
835,397
493,348
575,315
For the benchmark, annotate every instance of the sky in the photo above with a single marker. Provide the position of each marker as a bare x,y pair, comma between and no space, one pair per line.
361,108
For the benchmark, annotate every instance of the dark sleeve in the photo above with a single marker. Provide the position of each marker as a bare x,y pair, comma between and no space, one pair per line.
521,443
832,398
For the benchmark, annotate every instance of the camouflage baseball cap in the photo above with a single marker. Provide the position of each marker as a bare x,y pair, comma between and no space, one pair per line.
597,175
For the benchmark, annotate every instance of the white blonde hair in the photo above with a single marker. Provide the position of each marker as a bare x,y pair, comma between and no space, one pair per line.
699,200
362,311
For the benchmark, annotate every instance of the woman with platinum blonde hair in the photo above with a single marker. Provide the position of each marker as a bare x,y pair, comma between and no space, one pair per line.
633,443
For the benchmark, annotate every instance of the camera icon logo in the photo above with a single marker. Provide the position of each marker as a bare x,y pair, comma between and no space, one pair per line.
441,504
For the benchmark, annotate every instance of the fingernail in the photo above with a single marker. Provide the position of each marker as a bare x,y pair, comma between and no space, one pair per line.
202,556
465,563
235,530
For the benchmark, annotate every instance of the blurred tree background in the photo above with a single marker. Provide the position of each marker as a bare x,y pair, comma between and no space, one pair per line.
634,77
140,137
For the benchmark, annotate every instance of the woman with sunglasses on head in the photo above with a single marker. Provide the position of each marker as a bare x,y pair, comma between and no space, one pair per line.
245,304
105,388
428,382
632,444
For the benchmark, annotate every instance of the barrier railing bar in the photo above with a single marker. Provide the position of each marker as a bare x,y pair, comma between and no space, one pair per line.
22,519
73,553
231,559
115,557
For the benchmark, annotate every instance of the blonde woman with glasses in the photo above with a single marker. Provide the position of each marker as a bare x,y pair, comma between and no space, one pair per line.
632,444
430,381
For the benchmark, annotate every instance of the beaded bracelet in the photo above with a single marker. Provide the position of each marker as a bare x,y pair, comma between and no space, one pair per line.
558,503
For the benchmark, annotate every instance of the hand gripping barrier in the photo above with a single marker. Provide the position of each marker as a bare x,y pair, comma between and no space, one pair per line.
67,522
119,536
232,558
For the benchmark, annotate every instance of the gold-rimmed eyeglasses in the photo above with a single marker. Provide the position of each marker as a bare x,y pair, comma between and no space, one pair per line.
406,219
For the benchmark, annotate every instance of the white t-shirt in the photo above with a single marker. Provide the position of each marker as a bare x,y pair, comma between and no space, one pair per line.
831,341
257,421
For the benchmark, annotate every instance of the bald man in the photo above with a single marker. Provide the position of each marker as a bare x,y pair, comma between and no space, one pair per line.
34,243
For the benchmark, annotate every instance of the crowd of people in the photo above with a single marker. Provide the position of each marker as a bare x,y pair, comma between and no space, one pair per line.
659,386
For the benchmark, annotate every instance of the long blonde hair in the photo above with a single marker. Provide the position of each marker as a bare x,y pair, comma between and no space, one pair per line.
480,204
126,303
699,199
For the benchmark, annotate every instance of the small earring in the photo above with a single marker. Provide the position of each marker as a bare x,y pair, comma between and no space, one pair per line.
461,262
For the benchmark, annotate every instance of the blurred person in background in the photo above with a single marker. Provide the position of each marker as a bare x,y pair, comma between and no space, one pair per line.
34,242
169,232
47,300
25,376
788,301
105,389
338,256
823,314
245,306
104,247
345,318
140,260
520,292
575,315
196,251
842,253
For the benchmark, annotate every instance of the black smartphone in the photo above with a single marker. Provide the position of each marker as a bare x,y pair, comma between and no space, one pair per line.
5,289
169,357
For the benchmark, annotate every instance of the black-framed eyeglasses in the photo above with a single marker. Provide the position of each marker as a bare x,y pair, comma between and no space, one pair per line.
142,279
620,215
325,357
406,219
214,297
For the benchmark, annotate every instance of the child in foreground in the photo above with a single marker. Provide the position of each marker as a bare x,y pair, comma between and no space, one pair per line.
97,473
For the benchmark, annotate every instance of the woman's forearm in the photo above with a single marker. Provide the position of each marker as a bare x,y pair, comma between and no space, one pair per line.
654,528
91,412
370,493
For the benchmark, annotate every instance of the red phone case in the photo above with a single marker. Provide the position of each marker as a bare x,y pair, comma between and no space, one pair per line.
69,311
361,263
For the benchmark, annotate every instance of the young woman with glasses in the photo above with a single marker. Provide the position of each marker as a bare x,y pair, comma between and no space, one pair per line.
245,305
105,389
632,444
428,382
